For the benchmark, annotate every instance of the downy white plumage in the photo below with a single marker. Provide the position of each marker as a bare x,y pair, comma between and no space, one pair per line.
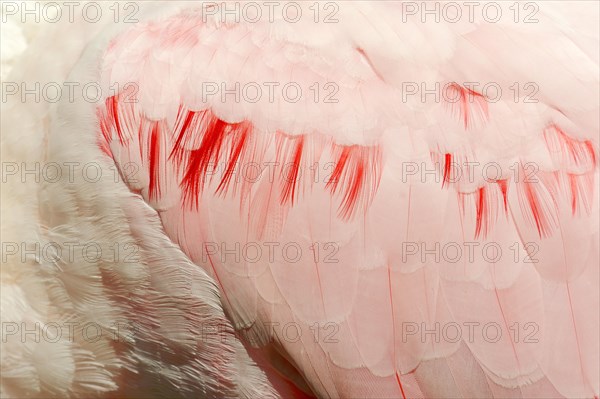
364,175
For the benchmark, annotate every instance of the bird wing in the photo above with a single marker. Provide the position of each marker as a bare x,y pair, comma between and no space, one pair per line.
422,220
96,300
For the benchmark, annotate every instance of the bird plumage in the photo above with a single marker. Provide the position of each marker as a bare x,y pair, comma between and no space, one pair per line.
373,180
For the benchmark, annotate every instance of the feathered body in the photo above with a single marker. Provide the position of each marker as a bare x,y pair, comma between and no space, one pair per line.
389,207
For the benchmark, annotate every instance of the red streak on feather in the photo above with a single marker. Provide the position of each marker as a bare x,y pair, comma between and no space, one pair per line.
183,129
534,203
568,152
391,292
219,140
582,191
482,211
447,169
198,140
153,156
356,176
467,103
105,136
239,134
365,56
486,201
574,192
112,106
201,159
592,150
290,170
577,159
538,202
503,185
336,176
400,385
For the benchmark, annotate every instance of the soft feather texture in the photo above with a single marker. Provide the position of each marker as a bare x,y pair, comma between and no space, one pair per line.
399,182
135,317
